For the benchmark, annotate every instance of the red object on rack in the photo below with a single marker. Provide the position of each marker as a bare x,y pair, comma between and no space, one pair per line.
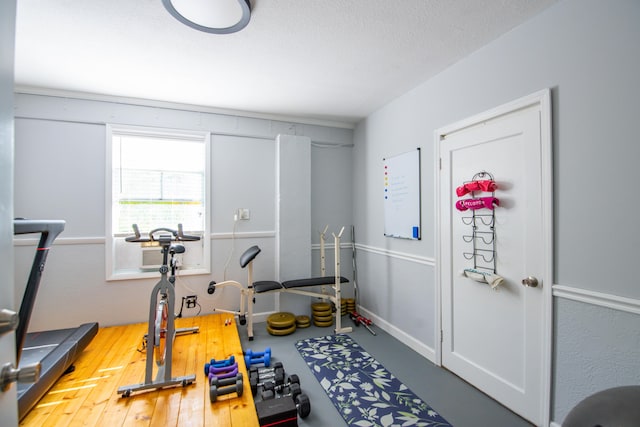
360,319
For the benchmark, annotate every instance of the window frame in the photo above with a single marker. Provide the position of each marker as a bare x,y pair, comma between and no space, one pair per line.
112,274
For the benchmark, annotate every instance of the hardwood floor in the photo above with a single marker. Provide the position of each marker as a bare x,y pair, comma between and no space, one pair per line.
88,396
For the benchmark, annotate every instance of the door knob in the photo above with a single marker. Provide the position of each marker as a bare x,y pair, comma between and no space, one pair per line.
530,282
26,374
8,321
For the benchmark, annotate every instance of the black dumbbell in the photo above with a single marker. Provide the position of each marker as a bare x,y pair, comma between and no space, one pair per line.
270,389
303,404
266,372
219,387
260,377
255,382
293,379
293,384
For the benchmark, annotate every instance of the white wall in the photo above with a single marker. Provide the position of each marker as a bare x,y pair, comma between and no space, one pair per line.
60,174
588,53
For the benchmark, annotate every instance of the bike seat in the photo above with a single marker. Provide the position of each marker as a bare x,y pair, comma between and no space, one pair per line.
176,249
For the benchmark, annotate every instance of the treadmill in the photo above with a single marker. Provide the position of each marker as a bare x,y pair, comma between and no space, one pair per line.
57,350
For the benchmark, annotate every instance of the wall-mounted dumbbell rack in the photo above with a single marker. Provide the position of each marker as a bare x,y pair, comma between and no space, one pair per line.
483,230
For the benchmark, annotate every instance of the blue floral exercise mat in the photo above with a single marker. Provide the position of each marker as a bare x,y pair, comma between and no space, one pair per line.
362,390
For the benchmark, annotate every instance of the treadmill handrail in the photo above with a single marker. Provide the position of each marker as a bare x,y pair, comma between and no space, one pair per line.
50,229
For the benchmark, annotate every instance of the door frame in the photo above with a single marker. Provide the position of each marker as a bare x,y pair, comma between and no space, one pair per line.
8,398
543,100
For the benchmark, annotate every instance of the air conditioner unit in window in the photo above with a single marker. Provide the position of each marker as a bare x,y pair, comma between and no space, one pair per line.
151,258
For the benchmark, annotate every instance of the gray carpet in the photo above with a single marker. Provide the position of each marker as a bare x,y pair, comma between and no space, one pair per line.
458,402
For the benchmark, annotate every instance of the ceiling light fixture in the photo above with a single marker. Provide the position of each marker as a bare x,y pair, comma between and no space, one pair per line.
211,16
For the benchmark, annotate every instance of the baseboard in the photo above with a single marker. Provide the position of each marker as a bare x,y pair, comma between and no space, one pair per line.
400,335
261,317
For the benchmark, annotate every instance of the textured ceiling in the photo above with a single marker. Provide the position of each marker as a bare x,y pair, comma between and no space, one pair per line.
331,60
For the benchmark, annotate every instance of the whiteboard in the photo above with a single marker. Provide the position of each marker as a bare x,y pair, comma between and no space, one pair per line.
402,217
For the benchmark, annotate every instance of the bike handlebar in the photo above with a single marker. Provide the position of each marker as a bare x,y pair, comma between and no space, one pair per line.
175,235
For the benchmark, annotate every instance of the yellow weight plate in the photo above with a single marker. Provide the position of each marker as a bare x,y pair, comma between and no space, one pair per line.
281,320
304,323
281,332
321,312
323,324
323,318
303,319
321,306
328,318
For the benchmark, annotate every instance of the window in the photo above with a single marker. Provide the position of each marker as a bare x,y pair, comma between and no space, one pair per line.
156,178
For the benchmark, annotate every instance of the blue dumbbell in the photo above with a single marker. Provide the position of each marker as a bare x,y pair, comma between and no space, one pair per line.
264,357
219,363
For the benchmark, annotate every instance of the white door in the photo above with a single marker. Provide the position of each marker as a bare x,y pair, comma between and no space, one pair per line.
8,397
498,338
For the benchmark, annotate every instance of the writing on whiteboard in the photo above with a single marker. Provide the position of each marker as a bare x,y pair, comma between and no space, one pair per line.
402,195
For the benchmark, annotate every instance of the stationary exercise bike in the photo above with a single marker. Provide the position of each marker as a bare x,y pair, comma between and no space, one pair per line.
162,332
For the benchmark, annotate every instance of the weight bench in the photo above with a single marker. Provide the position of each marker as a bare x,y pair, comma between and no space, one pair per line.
289,286
292,285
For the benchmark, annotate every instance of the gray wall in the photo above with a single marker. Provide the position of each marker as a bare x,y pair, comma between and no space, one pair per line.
588,53
60,174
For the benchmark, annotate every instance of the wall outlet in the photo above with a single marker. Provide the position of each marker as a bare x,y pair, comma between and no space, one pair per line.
244,214
191,301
